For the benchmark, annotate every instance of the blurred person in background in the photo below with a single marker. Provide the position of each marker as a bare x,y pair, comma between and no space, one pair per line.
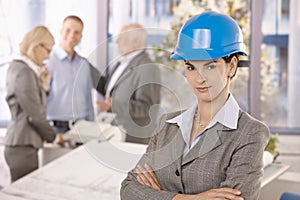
27,85
132,86
71,83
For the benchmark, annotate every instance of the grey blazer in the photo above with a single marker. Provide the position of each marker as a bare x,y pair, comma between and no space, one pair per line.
222,158
27,103
134,93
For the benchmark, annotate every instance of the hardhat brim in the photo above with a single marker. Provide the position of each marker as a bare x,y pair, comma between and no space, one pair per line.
202,54
206,54
175,56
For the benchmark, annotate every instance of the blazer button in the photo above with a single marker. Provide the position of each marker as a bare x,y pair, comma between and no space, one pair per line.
177,173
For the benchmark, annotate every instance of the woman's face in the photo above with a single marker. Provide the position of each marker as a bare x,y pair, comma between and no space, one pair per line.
42,51
210,78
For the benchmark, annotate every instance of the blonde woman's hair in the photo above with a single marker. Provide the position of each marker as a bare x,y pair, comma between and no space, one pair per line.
37,35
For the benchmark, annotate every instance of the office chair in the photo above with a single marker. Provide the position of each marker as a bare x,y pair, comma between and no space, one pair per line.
289,196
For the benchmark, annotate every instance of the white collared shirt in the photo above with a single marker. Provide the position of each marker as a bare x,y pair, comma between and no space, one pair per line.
124,61
37,69
227,116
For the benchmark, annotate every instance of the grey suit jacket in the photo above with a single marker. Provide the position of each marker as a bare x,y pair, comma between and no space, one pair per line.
223,157
27,102
134,93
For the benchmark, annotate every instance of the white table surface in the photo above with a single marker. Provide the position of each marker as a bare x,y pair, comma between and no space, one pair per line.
4,196
92,171
271,172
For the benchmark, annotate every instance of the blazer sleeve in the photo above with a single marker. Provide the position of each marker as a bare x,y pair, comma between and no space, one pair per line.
246,167
100,85
98,80
28,96
131,189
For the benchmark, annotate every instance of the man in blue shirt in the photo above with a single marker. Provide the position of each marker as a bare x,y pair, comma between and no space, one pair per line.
71,84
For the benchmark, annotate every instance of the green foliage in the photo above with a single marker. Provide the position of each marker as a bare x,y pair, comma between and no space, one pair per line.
271,146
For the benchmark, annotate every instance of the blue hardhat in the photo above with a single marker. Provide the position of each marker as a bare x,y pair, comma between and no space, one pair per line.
209,36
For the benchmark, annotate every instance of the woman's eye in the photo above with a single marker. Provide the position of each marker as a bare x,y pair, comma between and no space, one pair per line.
210,67
190,67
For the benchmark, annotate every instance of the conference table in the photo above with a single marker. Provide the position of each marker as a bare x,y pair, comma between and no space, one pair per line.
91,171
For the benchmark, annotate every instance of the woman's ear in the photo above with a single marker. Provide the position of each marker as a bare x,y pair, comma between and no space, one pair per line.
233,67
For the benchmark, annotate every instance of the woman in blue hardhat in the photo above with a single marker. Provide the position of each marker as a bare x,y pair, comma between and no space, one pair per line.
213,150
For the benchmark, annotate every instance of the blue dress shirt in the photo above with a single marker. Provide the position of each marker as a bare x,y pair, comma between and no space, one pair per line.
70,95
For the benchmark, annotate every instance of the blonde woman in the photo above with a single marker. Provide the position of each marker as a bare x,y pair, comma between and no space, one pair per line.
27,79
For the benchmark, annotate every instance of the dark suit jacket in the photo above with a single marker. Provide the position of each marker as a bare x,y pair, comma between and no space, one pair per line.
27,102
133,97
223,157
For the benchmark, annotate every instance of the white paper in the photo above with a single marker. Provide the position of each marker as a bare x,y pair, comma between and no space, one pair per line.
267,158
84,131
106,117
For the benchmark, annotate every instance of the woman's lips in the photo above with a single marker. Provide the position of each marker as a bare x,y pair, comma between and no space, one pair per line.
202,89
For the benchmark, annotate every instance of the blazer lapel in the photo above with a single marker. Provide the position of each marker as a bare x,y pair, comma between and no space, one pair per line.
133,63
42,93
128,67
110,75
209,141
172,152
177,148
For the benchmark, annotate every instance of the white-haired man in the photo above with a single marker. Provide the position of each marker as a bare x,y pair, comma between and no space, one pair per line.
132,87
